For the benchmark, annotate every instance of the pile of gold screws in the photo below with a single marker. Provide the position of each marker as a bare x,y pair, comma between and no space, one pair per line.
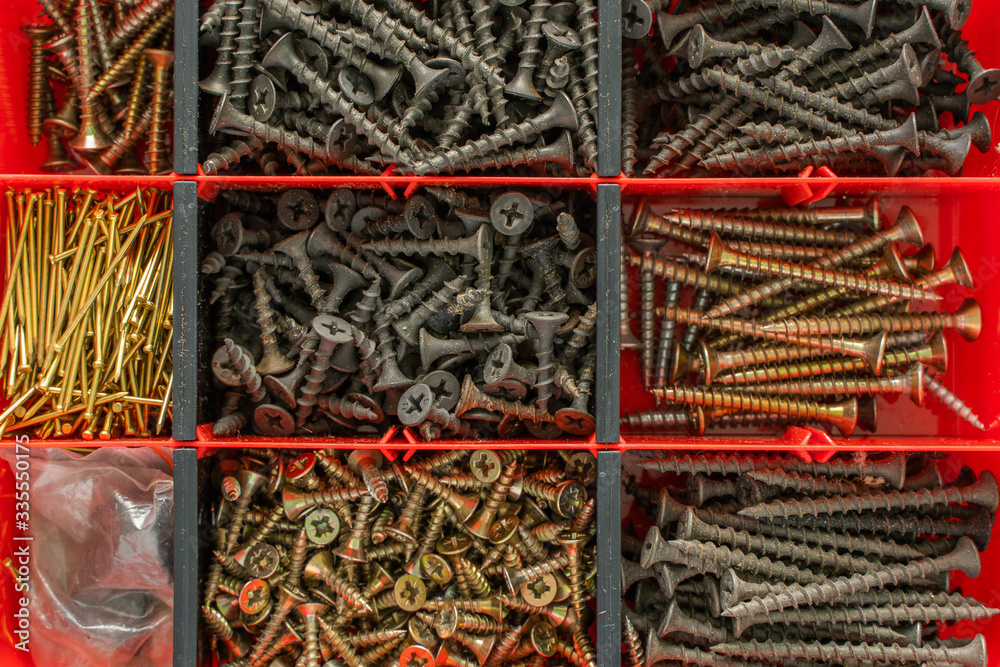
86,321
455,558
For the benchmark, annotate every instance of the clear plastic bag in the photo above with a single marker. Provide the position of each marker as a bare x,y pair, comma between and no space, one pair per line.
101,588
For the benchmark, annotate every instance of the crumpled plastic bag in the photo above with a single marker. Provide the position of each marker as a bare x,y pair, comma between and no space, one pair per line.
102,558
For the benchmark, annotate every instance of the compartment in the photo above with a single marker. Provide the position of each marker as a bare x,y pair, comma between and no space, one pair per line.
221,196
9,542
400,95
636,521
947,213
20,156
662,67
77,192
397,462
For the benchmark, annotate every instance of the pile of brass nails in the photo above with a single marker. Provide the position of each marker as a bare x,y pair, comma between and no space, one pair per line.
112,66
781,86
760,559
87,313
792,316
458,558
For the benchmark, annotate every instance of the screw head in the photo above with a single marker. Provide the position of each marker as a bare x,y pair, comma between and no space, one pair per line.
446,620
543,638
512,213
446,387
485,466
453,545
356,86
575,422
583,269
339,208
563,35
421,220
571,498
582,467
273,420
436,567
263,97
420,633
540,592
416,656
262,560
503,529
332,330
415,405
255,597
300,467
410,593
322,526
297,209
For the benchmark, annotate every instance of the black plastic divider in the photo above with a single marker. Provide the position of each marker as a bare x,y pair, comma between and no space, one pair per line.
185,557
609,205
186,87
185,390
609,88
609,580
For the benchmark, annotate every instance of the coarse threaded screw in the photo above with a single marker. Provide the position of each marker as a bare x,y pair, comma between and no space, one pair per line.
708,557
243,366
964,557
805,483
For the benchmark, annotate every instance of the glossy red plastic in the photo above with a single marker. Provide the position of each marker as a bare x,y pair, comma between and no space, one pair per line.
952,213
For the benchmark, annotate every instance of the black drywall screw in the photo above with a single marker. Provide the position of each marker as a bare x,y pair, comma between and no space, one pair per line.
972,654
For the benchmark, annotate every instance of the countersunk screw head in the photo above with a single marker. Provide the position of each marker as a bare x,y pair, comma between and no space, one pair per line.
572,496
273,420
485,466
255,597
356,86
541,592
410,593
340,207
447,388
416,656
420,633
582,467
415,405
322,526
453,545
297,209
436,567
262,560
543,637
300,467
332,330
503,529
446,620
512,213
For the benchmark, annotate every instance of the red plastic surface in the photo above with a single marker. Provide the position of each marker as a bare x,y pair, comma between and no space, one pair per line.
951,214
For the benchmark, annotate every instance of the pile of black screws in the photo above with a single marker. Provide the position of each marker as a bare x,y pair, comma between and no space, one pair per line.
794,316
345,86
779,86
459,558
781,561
446,313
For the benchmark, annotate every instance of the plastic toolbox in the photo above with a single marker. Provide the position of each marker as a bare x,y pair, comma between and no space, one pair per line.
956,211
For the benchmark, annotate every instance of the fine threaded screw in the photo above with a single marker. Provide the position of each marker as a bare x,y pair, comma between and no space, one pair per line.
964,557
664,351
951,401
692,527
983,492
757,230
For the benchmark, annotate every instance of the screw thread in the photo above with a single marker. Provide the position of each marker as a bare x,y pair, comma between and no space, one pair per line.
865,323
952,401
710,557
759,230
340,644
658,420
244,367
587,132
796,595
830,386
683,273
